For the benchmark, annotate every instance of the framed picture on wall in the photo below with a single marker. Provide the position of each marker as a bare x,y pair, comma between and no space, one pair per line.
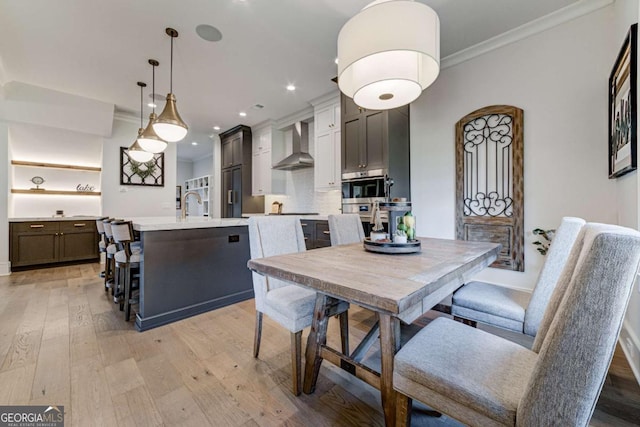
149,173
623,127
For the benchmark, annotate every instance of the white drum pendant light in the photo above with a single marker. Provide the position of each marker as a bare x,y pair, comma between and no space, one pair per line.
389,53
169,125
136,152
149,140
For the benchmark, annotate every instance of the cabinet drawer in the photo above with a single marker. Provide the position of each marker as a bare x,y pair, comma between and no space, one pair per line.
322,231
77,226
36,227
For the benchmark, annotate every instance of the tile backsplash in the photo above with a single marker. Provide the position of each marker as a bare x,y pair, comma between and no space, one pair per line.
301,197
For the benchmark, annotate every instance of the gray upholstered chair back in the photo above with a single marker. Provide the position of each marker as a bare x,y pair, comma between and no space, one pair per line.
559,250
345,229
575,354
269,236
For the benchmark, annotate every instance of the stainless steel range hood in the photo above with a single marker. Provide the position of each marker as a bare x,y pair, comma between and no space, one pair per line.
300,158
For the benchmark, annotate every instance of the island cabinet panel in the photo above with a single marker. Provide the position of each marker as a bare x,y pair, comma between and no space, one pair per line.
191,271
47,242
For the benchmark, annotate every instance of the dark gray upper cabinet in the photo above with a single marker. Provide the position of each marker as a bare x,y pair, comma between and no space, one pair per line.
374,140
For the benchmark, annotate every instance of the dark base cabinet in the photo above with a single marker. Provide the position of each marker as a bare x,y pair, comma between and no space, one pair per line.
39,243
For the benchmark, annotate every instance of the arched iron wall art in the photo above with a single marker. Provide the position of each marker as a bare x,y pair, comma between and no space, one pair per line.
623,127
150,173
489,181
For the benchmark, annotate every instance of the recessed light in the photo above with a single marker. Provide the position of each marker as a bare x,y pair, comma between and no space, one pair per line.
336,60
151,105
209,33
216,128
242,114
194,143
291,88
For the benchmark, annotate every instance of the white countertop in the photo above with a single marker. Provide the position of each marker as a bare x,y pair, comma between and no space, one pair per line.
159,223
310,217
55,218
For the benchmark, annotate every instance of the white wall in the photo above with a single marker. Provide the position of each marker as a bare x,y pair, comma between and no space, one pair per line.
126,201
184,171
203,166
5,268
626,12
50,145
558,78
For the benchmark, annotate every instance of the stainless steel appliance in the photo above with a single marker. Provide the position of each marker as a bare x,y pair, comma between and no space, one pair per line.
360,194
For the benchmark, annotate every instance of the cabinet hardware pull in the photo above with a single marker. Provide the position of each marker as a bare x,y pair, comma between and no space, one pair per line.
79,225
229,197
37,226
57,234
62,234
326,232
303,224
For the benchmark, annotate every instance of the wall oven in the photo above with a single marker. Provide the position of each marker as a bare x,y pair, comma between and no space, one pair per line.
359,196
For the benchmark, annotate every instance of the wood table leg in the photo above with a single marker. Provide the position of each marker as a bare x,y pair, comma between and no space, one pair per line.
388,339
317,338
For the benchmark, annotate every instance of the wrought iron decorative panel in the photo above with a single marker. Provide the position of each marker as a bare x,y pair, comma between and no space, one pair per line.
149,173
489,181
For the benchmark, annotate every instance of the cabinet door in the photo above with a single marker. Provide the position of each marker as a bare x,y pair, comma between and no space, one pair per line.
236,194
327,169
227,154
349,108
236,145
227,194
34,243
77,240
327,119
351,160
374,143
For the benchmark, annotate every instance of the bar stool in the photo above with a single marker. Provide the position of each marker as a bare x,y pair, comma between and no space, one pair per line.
111,249
127,264
102,245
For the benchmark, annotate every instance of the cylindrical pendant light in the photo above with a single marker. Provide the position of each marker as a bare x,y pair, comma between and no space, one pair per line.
389,53
136,152
169,125
149,140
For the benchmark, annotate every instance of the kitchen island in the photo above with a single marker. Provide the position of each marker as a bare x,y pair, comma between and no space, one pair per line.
190,266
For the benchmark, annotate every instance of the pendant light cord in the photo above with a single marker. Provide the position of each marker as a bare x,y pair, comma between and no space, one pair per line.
171,68
153,88
141,102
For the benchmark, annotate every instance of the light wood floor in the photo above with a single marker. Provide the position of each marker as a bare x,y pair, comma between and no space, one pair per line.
63,342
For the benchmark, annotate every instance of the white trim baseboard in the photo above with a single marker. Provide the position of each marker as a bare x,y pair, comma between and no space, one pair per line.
630,344
5,268
560,16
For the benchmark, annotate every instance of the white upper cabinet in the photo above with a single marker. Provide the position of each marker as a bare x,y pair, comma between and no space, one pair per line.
265,180
327,169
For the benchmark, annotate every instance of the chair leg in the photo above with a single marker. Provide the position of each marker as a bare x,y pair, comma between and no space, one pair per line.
344,332
468,322
403,410
258,334
107,272
127,292
296,361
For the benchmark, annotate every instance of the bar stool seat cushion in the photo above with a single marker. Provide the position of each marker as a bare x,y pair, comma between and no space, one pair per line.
121,257
491,304
291,305
112,249
489,380
102,246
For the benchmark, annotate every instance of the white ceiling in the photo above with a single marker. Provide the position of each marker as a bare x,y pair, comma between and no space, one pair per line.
99,49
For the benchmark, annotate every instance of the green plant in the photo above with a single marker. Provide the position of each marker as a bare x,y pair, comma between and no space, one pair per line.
546,238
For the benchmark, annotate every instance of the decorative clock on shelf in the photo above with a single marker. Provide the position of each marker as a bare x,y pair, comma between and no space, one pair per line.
37,180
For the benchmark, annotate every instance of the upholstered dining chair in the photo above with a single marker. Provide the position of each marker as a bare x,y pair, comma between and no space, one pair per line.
102,241
483,380
289,305
345,229
510,308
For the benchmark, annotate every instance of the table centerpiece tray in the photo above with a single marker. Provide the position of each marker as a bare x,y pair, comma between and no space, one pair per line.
388,247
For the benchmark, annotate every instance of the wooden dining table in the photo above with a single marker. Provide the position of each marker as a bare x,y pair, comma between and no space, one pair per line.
397,287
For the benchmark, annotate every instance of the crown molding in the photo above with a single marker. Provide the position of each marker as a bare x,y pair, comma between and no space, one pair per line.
326,98
524,31
126,116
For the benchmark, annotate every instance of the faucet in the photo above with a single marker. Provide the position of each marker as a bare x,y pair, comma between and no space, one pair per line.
184,202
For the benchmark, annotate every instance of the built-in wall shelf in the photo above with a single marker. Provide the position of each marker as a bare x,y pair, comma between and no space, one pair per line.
55,166
57,192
